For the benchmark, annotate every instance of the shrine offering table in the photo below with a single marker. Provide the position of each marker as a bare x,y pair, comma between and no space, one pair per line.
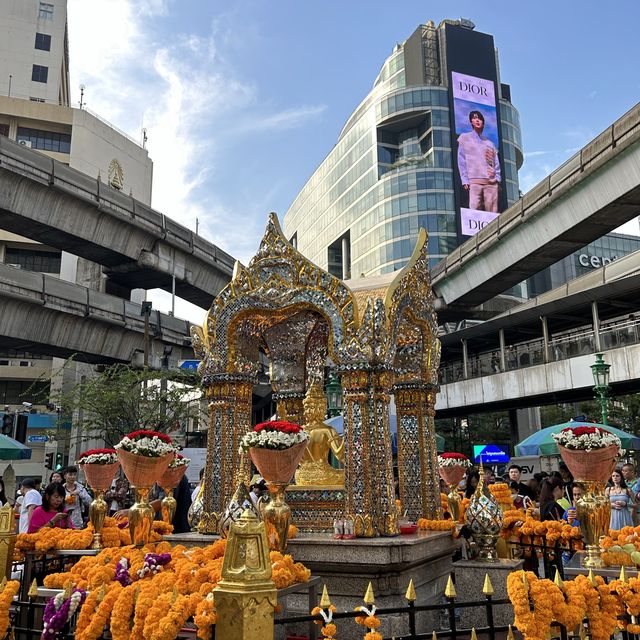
574,567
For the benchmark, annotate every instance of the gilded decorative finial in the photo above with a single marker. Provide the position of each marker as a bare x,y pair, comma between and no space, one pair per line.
450,590
558,580
33,589
68,589
510,635
434,636
411,592
368,596
623,574
474,636
592,578
525,581
487,587
325,603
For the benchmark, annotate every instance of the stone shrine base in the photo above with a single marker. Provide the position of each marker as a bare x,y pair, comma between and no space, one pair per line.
347,567
470,576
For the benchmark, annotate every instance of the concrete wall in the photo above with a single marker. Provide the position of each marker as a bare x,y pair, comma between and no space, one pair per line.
19,22
544,379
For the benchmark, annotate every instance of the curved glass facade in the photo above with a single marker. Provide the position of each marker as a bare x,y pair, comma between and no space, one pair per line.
390,174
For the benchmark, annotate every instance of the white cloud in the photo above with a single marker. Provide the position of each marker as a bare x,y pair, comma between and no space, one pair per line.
182,93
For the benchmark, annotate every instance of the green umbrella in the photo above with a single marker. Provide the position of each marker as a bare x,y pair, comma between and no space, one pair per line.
541,443
11,449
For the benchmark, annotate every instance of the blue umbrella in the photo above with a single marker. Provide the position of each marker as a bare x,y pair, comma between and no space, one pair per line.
541,442
336,423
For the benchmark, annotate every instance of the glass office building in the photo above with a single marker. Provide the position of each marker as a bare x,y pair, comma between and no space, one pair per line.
396,165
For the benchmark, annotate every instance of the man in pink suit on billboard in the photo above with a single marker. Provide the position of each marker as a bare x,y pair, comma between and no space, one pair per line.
479,166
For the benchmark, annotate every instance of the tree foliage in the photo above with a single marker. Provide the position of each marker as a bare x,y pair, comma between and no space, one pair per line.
121,399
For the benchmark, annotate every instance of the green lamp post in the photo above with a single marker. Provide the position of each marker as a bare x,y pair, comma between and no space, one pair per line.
600,370
334,396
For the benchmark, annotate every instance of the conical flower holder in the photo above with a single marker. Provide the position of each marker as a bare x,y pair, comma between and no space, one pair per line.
142,472
277,467
99,478
593,510
452,475
169,481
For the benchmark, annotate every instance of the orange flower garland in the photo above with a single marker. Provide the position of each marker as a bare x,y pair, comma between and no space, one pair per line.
436,525
6,598
501,492
328,628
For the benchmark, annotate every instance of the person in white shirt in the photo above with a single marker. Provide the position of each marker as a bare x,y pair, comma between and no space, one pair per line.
30,501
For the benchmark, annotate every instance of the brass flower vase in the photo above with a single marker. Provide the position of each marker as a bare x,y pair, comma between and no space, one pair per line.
99,478
141,516
168,506
452,475
277,517
170,480
593,510
97,514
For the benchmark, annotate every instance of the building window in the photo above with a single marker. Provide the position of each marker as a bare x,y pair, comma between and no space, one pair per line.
42,261
45,140
46,11
43,42
39,73
18,391
4,130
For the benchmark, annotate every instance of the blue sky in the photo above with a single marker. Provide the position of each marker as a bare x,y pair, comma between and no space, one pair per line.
242,100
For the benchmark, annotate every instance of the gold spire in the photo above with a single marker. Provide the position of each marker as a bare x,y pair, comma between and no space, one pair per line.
33,589
473,634
325,603
434,636
525,582
68,589
487,587
623,574
450,590
3,584
411,592
510,635
592,578
558,580
174,595
101,593
368,596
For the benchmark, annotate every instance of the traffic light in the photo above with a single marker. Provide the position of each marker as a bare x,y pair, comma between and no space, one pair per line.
60,461
7,424
48,463
21,428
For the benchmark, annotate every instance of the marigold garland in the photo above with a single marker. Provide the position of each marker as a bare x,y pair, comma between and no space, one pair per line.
436,525
6,598
328,627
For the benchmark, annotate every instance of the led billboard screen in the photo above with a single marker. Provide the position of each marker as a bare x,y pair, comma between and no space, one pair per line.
491,453
477,150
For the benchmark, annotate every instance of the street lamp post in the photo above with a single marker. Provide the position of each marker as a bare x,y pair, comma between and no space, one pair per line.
334,396
600,370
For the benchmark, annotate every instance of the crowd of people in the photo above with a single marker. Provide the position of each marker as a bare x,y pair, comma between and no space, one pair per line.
64,502
554,495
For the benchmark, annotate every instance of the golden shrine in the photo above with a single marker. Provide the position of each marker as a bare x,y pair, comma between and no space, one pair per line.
379,335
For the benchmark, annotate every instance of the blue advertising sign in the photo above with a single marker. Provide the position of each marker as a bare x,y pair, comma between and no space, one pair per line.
189,364
491,453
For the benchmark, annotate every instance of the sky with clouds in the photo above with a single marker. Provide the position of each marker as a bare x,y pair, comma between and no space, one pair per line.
242,100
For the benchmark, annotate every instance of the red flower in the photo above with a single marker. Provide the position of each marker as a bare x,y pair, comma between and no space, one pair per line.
93,452
278,425
144,433
581,431
454,455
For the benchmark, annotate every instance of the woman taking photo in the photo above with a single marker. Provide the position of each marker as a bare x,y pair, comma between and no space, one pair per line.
51,513
621,499
550,493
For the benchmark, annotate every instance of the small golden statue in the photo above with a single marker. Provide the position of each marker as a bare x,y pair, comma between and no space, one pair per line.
314,469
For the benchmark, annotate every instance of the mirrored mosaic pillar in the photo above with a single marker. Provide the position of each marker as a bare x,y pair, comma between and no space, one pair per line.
289,406
417,453
370,497
229,420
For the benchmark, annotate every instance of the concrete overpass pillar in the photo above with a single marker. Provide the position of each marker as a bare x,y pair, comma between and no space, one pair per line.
503,353
524,422
545,340
596,326
465,360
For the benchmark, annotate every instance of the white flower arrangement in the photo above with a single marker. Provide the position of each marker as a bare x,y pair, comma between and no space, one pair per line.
98,456
454,459
586,438
179,461
277,434
150,444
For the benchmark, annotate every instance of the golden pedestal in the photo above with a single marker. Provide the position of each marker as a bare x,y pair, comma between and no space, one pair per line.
246,596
